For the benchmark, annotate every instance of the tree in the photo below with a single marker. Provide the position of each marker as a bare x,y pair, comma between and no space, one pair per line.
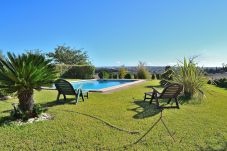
24,73
142,72
103,74
122,72
1,55
224,67
166,76
67,55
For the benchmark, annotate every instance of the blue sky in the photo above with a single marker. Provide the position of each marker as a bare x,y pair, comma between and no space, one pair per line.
117,32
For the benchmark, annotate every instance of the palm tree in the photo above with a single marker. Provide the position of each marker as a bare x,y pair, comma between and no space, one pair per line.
24,73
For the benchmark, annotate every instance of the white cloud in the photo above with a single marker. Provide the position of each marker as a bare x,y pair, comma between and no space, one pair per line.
118,62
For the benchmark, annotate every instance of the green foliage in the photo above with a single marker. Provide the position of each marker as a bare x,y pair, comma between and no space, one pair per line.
129,76
224,67
142,72
104,75
166,76
111,75
71,56
17,113
153,77
222,82
122,72
115,76
76,71
26,71
205,123
23,73
158,76
191,77
1,55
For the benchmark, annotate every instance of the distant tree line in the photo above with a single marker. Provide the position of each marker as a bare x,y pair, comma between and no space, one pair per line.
217,69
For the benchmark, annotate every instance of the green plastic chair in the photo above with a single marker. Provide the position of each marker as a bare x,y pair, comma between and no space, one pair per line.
65,88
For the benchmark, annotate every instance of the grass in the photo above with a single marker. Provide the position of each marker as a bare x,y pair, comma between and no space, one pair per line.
197,126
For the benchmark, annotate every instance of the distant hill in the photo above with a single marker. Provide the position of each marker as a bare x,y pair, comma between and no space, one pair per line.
153,69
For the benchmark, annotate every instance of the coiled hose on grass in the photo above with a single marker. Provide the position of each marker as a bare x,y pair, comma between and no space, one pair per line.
103,121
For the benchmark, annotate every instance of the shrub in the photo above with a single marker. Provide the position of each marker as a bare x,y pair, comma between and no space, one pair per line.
142,72
4,93
153,76
111,75
129,76
17,113
220,82
166,76
191,77
104,75
158,76
122,72
209,82
115,76
76,71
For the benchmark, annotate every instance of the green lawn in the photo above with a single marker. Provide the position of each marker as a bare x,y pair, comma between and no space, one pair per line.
197,126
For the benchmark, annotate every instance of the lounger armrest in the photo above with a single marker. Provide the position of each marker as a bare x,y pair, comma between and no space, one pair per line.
154,90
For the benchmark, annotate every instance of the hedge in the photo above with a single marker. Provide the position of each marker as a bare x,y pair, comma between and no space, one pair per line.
76,71
104,75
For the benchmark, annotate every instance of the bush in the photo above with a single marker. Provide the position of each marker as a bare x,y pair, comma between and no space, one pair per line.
76,71
115,76
153,76
4,93
122,72
17,113
158,76
142,72
111,75
220,82
129,76
191,77
166,76
103,75
209,82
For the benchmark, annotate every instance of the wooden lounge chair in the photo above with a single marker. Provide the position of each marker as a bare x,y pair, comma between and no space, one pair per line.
170,92
65,88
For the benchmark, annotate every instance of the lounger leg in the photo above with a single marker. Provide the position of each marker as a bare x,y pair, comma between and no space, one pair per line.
177,103
82,96
145,97
77,96
152,97
87,95
64,97
58,97
169,101
156,99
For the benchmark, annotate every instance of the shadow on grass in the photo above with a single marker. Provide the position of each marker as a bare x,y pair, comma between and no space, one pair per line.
158,87
60,102
144,109
222,146
5,119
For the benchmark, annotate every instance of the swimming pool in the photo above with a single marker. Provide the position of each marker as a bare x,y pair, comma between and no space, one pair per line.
102,85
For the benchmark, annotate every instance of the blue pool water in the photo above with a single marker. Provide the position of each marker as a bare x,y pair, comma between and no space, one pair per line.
98,84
